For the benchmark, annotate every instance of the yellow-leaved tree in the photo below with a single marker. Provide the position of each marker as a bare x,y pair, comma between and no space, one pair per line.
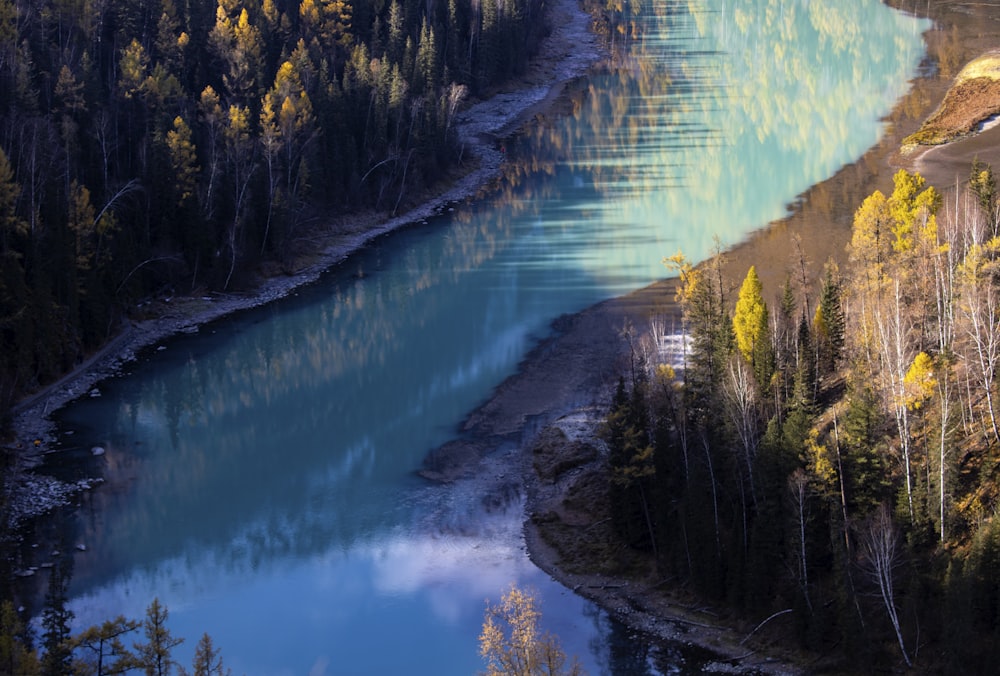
512,645
750,326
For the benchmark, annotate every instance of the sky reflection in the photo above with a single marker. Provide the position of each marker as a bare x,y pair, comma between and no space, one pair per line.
423,591
261,473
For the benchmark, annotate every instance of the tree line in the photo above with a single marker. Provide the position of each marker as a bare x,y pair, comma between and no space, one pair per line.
159,146
98,650
833,455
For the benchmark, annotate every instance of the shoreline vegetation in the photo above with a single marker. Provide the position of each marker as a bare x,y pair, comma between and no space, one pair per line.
569,518
567,53
582,341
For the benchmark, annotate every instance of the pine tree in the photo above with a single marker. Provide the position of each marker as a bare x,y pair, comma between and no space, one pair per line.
829,324
983,184
107,652
154,655
56,618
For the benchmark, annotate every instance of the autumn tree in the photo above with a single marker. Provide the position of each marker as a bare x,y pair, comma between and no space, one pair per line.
104,648
888,295
512,644
207,659
750,319
241,164
153,655
983,183
15,657
979,273
238,44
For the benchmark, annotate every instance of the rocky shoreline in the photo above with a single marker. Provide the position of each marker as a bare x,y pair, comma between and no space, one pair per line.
567,53
564,517
561,386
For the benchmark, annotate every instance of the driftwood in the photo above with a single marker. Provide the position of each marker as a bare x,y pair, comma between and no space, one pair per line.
780,612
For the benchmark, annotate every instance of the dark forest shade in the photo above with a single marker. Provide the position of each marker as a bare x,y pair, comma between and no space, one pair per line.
152,146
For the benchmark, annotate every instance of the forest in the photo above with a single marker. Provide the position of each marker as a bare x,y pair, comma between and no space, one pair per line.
833,456
158,147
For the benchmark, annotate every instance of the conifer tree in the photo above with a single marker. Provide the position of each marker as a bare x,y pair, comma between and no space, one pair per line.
15,656
828,325
983,184
56,618
751,329
207,661
105,650
154,654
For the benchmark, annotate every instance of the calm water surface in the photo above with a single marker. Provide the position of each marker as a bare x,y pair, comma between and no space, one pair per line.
261,473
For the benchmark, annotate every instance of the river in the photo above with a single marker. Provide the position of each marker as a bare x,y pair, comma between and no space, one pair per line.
261,473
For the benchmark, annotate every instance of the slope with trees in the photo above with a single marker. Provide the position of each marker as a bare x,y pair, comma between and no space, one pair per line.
836,466
155,146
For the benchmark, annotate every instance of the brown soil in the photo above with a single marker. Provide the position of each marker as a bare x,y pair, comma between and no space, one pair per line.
965,107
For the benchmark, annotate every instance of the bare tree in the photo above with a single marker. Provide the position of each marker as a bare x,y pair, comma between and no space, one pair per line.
741,397
896,352
878,541
981,310
798,486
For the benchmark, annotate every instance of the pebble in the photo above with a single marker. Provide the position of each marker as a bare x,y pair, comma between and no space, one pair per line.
38,493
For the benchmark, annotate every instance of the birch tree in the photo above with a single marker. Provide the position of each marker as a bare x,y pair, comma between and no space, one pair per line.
980,307
878,543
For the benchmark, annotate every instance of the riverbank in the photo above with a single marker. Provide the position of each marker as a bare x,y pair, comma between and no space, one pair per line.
567,53
567,528
571,374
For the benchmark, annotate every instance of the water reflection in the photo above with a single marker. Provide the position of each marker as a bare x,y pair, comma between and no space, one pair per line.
260,473
713,112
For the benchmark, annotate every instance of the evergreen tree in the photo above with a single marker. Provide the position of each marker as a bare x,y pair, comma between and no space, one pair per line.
983,184
56,617
829,325
631,463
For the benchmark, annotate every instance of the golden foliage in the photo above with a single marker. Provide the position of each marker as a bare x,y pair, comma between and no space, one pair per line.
919,381
750,318
511,643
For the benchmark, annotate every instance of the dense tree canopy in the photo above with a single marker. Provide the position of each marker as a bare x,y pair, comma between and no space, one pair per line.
852,483
153,146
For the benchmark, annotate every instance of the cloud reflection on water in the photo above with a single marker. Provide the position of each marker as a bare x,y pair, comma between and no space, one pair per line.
264,474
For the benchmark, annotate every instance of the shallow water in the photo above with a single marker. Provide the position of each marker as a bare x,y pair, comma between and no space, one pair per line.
261,474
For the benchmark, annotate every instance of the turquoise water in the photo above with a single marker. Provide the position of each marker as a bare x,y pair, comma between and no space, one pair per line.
261,473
